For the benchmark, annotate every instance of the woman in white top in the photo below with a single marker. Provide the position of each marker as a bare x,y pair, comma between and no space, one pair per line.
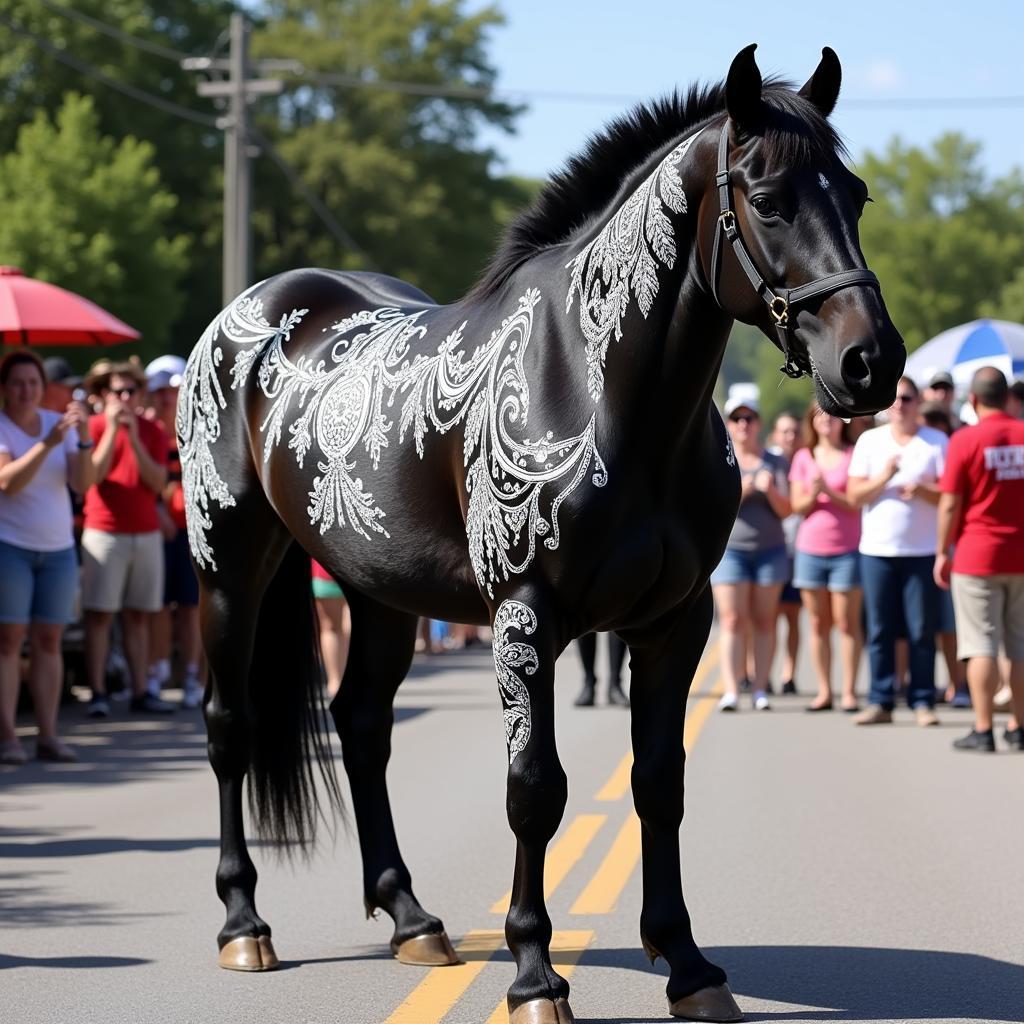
41,454
893,478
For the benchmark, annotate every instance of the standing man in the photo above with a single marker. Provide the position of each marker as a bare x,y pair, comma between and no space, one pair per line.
980,511
942,391
122,548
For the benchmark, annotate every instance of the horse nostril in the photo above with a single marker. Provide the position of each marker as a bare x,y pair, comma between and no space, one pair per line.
854,367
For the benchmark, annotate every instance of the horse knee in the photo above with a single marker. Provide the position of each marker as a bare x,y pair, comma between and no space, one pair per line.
537,794
228,740
656,803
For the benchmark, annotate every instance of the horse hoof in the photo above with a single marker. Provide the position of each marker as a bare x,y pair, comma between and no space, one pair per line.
542,1011
713,1004
426,951
249,953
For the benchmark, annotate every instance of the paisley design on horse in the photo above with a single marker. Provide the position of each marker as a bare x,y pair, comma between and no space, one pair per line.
344,405
509,658
623,260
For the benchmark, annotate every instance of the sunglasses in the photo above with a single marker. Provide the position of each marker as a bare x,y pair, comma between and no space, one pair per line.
743,417
122,392
905,399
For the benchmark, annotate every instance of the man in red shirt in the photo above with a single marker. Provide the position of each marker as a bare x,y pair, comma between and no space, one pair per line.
980,511
122,548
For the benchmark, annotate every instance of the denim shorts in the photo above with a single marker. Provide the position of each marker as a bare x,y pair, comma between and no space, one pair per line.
836,573
38,586
762,568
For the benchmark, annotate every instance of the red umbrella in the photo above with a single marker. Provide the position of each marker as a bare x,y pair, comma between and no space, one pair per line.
36,313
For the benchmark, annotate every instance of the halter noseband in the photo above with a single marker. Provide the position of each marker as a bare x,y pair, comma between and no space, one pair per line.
778,301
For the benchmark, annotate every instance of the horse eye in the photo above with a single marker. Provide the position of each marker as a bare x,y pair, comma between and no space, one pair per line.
764,206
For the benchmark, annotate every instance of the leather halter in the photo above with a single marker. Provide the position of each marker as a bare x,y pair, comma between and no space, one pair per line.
781,300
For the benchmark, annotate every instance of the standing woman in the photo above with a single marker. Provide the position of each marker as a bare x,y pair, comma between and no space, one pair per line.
41,454
827,570
749,579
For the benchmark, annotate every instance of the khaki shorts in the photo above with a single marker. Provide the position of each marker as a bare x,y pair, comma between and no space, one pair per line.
122,570
989,613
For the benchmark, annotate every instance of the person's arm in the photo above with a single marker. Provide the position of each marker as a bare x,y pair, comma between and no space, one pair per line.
81,471
804,496
778,500
17,474
103,453
929,493
153,474
950,518
862,490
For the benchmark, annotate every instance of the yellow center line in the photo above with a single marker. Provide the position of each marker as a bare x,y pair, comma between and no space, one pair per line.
617,785
438,992
565,852
566,950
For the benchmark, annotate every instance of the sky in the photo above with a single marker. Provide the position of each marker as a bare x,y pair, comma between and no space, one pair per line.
892,51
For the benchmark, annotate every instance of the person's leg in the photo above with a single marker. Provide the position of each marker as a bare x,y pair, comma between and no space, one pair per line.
135,624
12,638
333,647
189,644
764,613
819,615
732,602
159,625
920,597
616,656
97,644
882,602
46,675
586,646
983,680
846,612
790,611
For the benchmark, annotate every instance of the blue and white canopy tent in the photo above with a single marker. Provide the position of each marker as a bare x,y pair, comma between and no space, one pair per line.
964,349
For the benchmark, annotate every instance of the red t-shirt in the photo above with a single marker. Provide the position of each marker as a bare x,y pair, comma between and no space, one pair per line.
985,465
123,503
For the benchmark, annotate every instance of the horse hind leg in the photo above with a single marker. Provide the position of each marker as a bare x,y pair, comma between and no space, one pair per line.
381,652
259,594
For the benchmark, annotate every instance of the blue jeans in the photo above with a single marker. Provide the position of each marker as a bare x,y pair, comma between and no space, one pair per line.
897,592
37,586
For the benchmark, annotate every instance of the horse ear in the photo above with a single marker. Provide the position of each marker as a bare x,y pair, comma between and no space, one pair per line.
822,88
743,90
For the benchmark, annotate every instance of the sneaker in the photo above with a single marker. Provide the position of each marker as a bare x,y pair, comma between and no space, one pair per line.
925,716
150,705
192,693
961,699
99,706
1003,699
12,752
769,689
974,740
874,714
761,702
153,686
729,702
789,688
1014,738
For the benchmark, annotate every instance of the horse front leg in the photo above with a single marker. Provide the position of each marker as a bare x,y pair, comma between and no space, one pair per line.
525,649
381,652
662,665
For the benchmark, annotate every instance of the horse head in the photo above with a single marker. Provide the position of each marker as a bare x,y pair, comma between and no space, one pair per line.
779,240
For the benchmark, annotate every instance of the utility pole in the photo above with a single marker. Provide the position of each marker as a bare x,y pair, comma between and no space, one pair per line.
238,90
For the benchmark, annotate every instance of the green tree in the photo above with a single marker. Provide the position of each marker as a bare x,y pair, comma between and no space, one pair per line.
943,240
90,214
1010,303
404,173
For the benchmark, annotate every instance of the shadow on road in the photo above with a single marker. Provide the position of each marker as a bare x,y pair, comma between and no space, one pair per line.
851,983
69,962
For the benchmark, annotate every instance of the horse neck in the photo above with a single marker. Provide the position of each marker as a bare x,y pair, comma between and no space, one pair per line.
635,281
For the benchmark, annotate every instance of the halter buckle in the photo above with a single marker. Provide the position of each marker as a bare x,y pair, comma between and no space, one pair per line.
726,215
779,309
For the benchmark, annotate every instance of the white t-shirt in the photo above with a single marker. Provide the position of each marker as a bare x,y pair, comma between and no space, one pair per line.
890,525
38,517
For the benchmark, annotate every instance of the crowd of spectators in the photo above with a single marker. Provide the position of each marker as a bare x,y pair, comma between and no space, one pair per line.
884,511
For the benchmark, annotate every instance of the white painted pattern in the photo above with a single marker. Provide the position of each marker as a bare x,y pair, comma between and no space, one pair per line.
509,659
622,261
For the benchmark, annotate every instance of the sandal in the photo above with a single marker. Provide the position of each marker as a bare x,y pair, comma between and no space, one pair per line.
55,750
12,752
818,707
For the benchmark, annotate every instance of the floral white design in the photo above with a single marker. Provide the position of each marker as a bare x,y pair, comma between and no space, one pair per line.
509,659
622,261
200,400
344,404
824,182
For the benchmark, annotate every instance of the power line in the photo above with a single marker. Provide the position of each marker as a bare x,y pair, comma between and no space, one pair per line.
151,99
114,32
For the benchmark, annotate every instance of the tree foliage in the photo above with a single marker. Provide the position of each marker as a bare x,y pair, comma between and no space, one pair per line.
91,214
943,240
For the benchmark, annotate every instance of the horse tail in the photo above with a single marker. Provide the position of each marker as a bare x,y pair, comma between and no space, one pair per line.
289,747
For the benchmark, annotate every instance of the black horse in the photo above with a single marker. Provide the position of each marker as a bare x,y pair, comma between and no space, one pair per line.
543,456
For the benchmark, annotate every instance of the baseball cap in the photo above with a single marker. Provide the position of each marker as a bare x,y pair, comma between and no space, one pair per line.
941,378
58,371
171,364
162,379
743,396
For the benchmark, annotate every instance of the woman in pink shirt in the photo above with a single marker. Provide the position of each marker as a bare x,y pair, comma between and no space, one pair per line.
827,565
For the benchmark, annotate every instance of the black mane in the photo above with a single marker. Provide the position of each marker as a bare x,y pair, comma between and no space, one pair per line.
614,160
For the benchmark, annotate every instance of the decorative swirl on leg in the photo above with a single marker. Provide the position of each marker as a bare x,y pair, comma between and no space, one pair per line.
509,658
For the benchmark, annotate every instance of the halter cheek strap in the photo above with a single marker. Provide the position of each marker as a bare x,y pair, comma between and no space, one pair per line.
778,300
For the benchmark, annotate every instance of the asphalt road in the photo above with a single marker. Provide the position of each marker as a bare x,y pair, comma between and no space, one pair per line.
838,874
